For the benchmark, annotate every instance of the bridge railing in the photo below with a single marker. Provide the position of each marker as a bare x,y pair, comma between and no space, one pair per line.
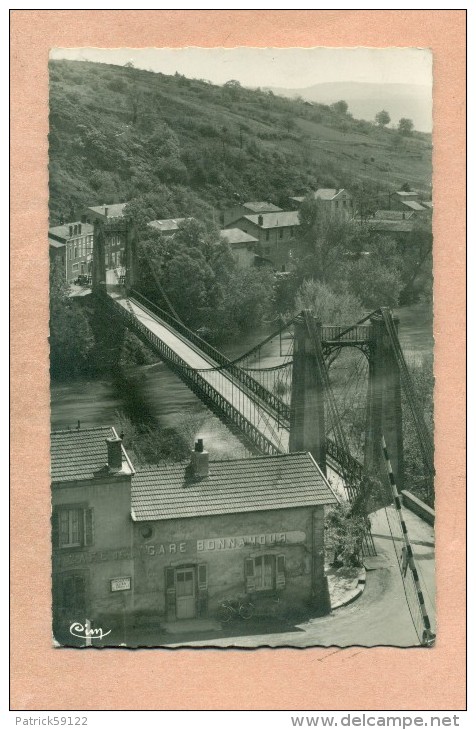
332,333
281,409
197,382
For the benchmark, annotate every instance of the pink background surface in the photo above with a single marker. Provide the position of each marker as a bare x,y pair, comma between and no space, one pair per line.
279,679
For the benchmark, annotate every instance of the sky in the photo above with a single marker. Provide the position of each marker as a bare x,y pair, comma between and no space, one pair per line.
281,67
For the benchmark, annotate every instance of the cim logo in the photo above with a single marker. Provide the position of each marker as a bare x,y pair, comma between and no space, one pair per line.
84,631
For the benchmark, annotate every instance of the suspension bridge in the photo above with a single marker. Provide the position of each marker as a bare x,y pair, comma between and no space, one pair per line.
335,390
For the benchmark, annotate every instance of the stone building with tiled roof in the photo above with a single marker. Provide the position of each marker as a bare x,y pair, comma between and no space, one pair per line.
72,245
172,542
168,226
336,203
231,215
275,232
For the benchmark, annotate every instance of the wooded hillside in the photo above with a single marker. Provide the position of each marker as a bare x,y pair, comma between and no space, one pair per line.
120,133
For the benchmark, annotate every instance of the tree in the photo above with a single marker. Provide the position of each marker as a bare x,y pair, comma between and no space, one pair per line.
341,107
322,244
382,118
71,338
347,524
326,304
345,533
233,87
405,127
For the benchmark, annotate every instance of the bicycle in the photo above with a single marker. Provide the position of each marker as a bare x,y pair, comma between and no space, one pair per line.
235,608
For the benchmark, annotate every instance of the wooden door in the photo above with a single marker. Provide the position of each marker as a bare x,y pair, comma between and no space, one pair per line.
185,593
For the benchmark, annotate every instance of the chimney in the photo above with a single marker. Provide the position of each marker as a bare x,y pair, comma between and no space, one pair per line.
199,460
106,210
114,453
260,220
70,231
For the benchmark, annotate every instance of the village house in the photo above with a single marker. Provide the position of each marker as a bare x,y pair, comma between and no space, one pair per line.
168,226
411,201
91,527
337,204
231,215
243,246
398,228
275,232
72,245
171,542
116,242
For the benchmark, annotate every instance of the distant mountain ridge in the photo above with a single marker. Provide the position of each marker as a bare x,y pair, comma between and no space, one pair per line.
366,99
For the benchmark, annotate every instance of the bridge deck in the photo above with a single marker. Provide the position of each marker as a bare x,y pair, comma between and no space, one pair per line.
221,381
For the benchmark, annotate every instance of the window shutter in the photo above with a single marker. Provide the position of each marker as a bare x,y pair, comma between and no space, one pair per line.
202,577
280,572
170,593
169,579
249,575
88,527
202,582
55,528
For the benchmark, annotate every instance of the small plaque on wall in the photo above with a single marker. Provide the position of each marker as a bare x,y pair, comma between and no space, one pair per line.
121,584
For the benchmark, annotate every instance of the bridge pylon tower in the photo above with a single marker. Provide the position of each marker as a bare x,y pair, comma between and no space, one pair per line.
307,416
384,404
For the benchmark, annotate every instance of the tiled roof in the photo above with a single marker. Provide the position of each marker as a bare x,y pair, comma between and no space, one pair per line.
242,485
262,207
322,194
63,230
327,193
392,215
77,454
115,210
275,220
56,244
413,204
169,224
236,236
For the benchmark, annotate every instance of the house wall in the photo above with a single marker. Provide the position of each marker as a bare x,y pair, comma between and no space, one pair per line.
244,255
109,556
222,543
274,243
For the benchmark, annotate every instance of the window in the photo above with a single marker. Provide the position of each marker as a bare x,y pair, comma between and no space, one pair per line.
291,232
72,527
267,235
75,267
281,232
265,573
337,203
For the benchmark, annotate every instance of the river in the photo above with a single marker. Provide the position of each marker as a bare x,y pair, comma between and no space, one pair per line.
97,402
